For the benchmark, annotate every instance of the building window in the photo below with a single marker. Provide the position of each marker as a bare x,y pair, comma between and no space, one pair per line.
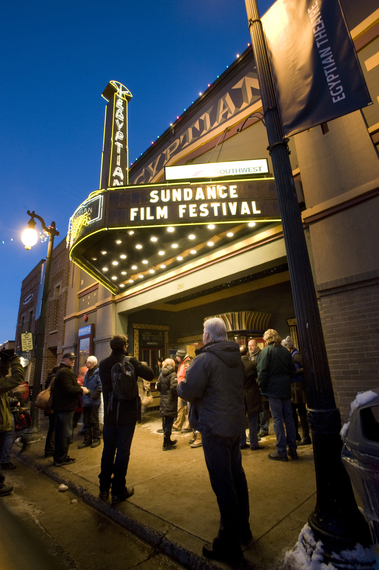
57,291
30,322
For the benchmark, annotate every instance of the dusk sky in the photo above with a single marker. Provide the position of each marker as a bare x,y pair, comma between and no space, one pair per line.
57,58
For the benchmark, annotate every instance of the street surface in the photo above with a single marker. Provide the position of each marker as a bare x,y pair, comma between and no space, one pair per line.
45,529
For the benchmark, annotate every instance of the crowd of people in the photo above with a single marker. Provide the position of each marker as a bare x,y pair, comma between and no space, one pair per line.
222,393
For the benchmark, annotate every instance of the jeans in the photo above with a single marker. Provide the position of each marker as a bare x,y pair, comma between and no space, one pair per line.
253,431
302,410
91,423
281,411
264,418
50,437
63,434
8,443
116,438
228,480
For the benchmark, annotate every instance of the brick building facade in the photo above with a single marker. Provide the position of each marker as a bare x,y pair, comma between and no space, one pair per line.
29,309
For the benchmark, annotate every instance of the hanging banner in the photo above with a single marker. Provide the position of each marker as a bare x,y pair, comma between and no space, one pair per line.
316,72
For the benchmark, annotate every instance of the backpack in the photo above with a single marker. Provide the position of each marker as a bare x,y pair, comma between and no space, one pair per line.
124,381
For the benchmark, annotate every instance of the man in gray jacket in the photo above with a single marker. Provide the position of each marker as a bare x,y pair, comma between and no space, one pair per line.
214,386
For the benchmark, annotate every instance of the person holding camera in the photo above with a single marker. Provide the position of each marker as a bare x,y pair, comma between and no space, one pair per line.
8,381
65,392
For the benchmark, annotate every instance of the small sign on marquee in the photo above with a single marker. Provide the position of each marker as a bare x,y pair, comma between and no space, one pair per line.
211,170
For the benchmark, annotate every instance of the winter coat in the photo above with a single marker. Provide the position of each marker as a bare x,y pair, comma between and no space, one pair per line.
65,390
275,369
125,411
253,398
298,391
214,386
167,385
93,383
7,383
182,368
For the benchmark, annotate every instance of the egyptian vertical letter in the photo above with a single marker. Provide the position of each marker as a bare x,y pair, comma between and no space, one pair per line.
115,163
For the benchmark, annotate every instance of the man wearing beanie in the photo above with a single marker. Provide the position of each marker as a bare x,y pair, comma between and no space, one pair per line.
275,370
298,393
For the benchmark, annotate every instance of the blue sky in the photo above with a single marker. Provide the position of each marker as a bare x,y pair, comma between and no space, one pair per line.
57,58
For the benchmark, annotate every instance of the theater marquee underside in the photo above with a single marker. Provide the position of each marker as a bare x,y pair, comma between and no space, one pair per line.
124,235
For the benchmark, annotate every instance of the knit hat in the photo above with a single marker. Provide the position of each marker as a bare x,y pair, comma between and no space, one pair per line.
287,342
181,353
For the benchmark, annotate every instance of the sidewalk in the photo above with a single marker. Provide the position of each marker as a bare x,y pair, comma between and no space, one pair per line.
174,507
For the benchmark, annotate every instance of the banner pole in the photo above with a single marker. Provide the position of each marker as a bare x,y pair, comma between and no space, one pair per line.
336,519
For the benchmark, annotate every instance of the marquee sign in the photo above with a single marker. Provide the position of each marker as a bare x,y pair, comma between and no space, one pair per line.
163,204
176,204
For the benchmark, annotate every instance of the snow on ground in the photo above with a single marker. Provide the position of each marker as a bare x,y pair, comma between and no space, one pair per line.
308,554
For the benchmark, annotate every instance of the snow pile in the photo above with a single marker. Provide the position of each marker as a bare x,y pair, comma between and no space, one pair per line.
308,554
361,399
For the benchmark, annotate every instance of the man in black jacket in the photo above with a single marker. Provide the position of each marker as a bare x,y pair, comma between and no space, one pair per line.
65,392
120,417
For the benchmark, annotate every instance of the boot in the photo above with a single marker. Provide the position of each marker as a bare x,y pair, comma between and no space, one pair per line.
198,440
168,444
5,490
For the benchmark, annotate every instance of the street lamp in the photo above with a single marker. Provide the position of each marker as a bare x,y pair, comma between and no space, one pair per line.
336,519
30,238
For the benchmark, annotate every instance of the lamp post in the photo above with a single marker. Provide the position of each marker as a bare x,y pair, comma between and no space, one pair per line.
336,519
29,238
